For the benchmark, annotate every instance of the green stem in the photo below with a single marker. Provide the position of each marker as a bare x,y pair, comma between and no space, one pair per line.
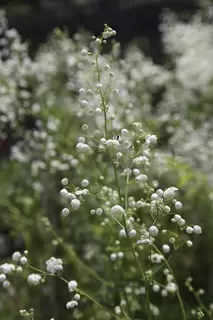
77,290
116,176
133,251
74,258
203,307
178,293
96,302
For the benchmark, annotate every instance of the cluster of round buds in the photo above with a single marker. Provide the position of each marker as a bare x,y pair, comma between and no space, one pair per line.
9,268
156,258
54,265
116,255
72,285
195,229
108,32
179,220
151,139
83,148
98,211
25,313
34,279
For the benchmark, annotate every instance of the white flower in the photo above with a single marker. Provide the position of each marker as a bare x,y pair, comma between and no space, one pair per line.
83,147
197,229
84,183
2,278
7,268
6,284
64,193
65,212
84,52
156,258
75,204
113,256
189,243
166,248
132,233
16,256
151,139
171,287
189,230
77,297
141,178
72,285
84,103
23,260
64,181
178,205
34,279
112,143
54,265
117,209
153,231
71,304
122,233
170,192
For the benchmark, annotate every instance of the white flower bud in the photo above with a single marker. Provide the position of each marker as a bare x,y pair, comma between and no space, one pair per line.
34,279
6,284
122,233
23,260
166,248
77,297
189,243
16,256
84,103
2,277
84,52
120,255
64,193
189,230
132,233
117,209
113,256
197,229
178,205
154,196
64,181
65,212
72,285
71,304
75,204
153,231
84,183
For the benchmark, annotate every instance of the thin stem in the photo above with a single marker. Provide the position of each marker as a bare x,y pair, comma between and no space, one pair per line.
133,251
178,293
72,254
203,307
116,176
97,303
78,290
